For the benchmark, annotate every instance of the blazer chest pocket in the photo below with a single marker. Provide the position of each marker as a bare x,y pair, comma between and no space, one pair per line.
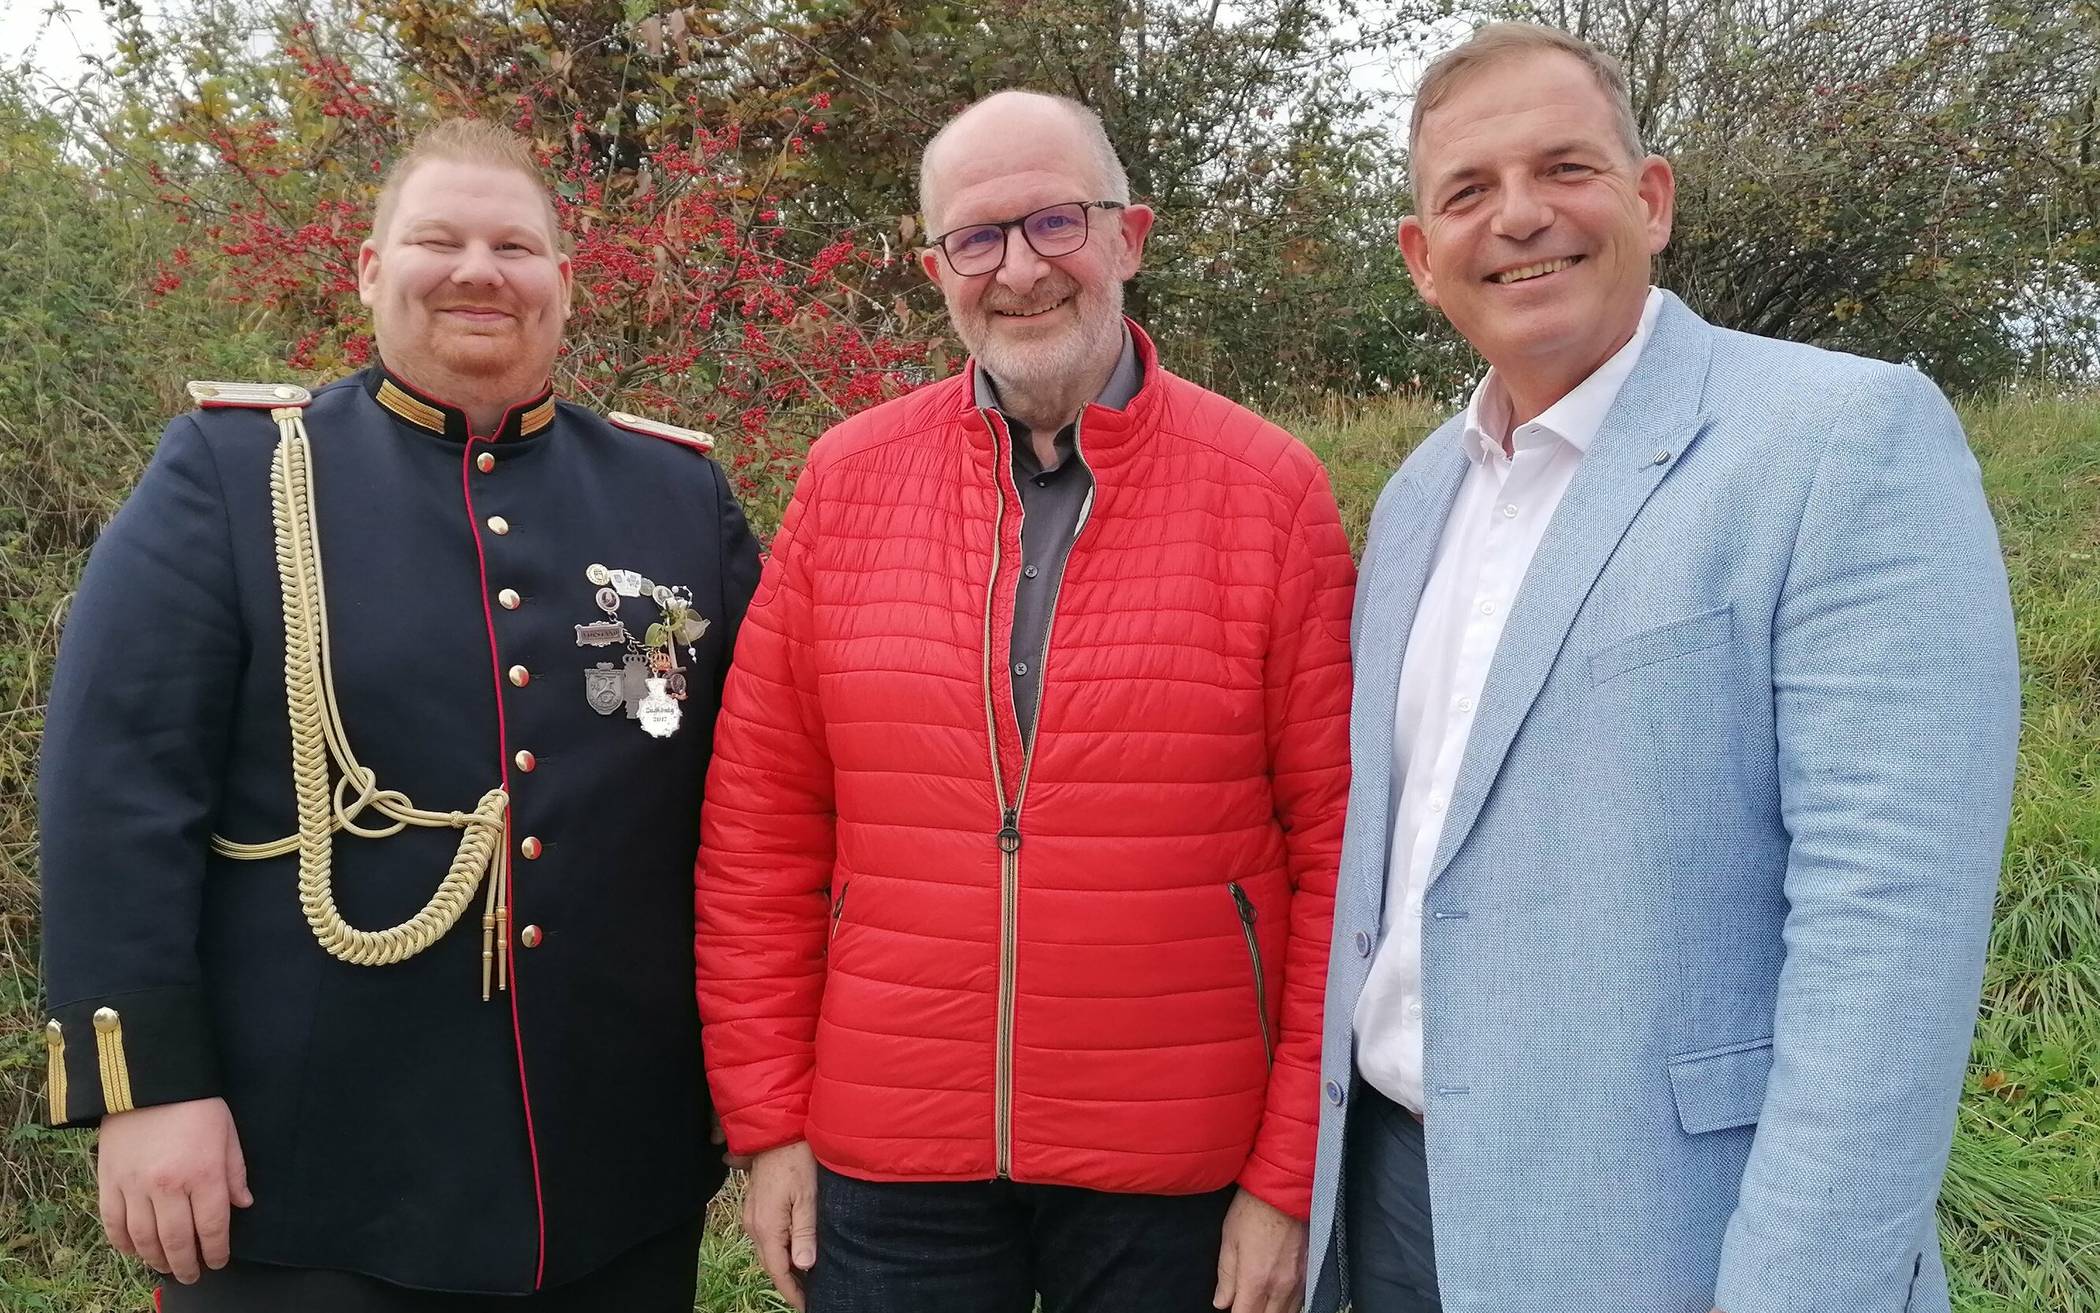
1694,633
1723,1087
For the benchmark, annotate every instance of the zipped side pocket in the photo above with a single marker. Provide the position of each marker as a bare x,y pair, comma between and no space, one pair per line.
1261,993
838,910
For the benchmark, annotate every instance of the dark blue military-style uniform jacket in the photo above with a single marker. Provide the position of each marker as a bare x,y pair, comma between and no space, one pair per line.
393,1122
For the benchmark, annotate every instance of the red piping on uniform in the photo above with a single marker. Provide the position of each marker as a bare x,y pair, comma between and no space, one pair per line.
481,561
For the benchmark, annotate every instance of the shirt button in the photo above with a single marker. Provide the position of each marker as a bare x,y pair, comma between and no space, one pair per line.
1465,704
1487,608
1030,571
1020,667
1363,943
1436,805
1334,1093
1042,483
509,599
1414,1007
485,462
498,525
1509,512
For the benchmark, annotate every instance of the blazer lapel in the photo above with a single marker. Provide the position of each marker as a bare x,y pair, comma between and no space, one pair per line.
1652,424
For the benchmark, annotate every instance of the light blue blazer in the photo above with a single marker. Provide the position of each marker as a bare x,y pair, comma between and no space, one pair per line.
1707,922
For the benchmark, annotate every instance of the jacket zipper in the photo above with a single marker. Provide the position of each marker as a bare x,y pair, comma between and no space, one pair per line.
1009,835
1261,995
838,908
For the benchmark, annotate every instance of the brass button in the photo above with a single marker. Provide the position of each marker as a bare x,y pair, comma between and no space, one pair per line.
530,936
498,525
287,393
509,599
526,761
105,1019
520,676
530,846
485,462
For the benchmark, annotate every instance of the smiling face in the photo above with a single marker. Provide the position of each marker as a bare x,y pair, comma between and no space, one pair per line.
1035,323
1534,230
467,286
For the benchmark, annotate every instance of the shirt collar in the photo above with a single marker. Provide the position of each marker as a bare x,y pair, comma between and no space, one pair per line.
1123,381
1574,419
423,411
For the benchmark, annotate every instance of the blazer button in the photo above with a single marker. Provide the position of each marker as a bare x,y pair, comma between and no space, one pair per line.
498,525
485,462
530,936
520,676
1363,943
509,599
530,846
1334,1093
526,761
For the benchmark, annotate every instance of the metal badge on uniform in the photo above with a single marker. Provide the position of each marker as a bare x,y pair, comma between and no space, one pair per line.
659,714
601,687
650,681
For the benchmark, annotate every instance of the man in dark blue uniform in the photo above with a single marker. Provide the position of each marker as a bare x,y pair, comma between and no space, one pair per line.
370,792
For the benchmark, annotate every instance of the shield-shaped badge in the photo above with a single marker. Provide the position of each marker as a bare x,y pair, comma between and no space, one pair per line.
601,688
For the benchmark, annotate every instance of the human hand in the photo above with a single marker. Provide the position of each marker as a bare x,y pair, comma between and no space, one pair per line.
735,1162
166,1176
780,1215
1261,1260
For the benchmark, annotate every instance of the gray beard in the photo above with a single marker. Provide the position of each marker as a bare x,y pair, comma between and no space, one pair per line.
1045,375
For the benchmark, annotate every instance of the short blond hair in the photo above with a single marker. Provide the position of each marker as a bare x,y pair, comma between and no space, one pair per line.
467,141
1493,43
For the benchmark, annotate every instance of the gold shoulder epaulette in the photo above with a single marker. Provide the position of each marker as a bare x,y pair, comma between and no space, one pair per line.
253,396
693,438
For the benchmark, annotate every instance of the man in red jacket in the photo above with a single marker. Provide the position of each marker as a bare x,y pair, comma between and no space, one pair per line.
1019,846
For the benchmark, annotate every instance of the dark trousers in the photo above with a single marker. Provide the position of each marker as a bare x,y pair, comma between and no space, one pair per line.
1385,1212
993,1246
656,1276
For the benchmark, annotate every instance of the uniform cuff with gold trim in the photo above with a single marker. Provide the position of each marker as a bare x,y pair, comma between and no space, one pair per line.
124,1051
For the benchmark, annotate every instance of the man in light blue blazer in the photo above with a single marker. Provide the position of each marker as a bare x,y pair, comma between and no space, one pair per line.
1683,733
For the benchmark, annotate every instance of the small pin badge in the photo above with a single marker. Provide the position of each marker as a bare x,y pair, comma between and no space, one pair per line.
603,633
1662,457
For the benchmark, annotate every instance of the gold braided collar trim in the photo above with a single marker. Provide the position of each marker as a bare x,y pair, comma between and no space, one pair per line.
418,413
424,415
537,418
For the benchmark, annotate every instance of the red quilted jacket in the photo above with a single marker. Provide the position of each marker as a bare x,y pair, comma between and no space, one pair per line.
938,956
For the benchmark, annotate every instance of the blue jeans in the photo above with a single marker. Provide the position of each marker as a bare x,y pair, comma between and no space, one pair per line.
993,1246
1385,1210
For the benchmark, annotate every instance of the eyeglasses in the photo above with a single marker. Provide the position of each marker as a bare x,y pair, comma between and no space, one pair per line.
979,248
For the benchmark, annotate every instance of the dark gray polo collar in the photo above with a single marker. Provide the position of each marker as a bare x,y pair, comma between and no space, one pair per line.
1123,383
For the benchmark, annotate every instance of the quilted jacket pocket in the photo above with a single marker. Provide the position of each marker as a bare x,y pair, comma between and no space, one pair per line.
1723,1087
1694,633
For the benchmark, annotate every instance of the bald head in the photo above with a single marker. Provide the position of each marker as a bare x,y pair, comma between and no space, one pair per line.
1008,131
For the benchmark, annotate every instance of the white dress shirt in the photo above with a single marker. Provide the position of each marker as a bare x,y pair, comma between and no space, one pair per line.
1496,523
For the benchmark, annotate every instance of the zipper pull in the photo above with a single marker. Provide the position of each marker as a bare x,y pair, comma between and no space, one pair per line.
1246,904
1010,833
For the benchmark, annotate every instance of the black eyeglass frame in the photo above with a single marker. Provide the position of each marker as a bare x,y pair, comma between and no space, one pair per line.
1007,226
